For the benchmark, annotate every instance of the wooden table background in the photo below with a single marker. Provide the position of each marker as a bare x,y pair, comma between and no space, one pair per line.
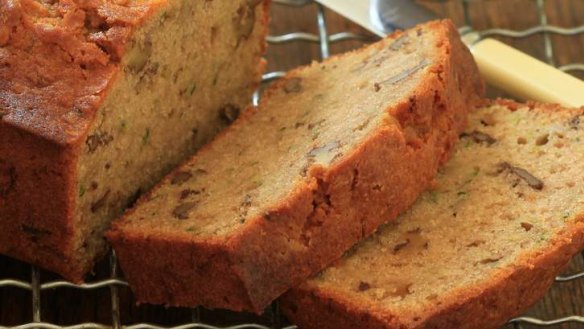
69,306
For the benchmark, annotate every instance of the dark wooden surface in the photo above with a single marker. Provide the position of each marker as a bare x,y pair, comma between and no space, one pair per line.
68,306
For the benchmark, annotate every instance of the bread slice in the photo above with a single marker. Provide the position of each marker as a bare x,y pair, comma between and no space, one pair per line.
292,185
506,215
99,100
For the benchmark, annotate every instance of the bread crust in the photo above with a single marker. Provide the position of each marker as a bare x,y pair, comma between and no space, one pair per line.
506,294
54,72
58,61
36,229
489,305
334,208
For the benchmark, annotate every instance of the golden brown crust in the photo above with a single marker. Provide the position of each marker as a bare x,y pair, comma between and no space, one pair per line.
267,256
487,306
326,310
511,293
170,282
57,60
37,229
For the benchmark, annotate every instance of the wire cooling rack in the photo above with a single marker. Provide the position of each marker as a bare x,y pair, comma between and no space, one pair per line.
113,282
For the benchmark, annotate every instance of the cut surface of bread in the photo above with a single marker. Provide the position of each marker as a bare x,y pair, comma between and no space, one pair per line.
505,216
99,100
288,188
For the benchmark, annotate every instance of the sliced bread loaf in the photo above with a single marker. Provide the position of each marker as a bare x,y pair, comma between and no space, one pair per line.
506,215
99,100
292,185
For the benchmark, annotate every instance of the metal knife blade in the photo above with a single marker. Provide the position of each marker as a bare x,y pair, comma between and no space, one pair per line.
387,16
391,15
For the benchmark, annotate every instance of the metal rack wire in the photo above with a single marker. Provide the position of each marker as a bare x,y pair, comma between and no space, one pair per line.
114,282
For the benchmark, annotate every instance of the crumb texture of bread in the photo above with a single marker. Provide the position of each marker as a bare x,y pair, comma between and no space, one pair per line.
99,100
288,188
504,218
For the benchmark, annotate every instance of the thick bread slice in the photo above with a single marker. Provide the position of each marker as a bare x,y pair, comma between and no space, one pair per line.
292,185
99,100
506,215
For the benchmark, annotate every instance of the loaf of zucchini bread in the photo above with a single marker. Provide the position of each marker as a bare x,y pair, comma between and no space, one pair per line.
292,185
99,100
506,215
